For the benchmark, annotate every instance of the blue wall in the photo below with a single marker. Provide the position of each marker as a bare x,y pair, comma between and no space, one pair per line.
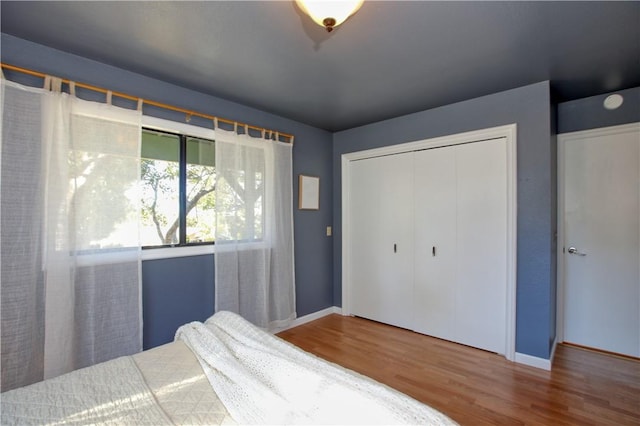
178,290
589,113
175,291
529,107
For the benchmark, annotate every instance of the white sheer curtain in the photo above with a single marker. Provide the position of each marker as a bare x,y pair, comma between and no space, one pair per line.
70,257
254,268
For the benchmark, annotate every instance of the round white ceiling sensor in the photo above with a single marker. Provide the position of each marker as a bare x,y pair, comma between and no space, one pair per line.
613,101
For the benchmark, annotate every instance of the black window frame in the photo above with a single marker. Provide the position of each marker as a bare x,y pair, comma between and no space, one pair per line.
182,191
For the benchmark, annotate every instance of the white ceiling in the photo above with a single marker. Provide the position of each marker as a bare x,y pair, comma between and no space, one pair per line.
390,59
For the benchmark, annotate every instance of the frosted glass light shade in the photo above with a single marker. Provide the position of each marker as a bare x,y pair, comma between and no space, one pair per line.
329,13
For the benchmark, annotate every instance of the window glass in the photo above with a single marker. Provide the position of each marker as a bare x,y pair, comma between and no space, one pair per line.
160,174
201,180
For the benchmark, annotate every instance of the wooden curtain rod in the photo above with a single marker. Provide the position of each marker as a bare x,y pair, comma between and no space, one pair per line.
187,112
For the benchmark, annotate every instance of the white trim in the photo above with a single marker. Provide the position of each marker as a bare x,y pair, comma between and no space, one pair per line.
169,252
310,317
510,133
177,127
533,361
106,257
560,243
562,139
601,131
512,242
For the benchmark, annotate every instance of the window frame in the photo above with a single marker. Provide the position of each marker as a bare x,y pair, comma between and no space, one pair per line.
184,130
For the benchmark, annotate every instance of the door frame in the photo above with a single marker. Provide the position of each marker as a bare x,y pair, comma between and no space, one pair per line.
509,132
562,139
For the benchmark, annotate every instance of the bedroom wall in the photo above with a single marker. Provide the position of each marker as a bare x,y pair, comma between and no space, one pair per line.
588,113
178,290
529,107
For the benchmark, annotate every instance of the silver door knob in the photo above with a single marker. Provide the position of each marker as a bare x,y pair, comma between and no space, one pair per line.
573,250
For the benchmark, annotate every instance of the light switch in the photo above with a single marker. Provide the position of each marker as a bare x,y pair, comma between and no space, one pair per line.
328,231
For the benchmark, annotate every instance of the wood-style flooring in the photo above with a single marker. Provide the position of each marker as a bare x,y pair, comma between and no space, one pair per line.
475,387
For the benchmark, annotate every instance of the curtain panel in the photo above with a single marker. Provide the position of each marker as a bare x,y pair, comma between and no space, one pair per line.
254,263
70,257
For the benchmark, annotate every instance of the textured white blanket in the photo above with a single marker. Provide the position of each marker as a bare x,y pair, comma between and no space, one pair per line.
262,379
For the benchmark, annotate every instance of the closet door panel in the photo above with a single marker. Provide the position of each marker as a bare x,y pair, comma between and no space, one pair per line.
435,242
481,286
382,242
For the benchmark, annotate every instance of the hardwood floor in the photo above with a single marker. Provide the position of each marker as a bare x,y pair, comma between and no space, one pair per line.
475,387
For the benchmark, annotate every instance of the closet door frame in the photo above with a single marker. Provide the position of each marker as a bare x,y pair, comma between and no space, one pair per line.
509,132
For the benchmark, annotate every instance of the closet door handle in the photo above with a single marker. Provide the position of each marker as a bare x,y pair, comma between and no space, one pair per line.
395,248
433,251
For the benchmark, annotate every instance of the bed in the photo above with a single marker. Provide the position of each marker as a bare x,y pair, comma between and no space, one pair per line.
224,371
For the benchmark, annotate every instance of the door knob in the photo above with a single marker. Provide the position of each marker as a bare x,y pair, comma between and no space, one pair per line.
573,250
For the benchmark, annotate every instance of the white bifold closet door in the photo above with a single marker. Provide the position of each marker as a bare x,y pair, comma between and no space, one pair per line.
435,242
481,261
445,210
381,224
460,238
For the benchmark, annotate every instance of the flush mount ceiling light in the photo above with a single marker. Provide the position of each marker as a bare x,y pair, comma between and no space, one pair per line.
613,101
329,13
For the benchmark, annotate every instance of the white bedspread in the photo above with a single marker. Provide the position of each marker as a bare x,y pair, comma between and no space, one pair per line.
163,385
262,379
112,393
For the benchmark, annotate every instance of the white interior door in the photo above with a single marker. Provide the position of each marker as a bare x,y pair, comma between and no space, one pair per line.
381,253
601,237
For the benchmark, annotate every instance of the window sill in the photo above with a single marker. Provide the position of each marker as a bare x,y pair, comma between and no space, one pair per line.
163,253
169,252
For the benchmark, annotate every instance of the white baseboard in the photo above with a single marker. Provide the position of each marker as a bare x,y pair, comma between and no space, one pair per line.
533,361
311,317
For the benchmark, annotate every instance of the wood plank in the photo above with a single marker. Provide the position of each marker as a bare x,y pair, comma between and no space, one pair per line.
476,387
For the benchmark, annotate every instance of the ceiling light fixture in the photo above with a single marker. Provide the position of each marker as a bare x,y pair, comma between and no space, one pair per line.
613,101
329,13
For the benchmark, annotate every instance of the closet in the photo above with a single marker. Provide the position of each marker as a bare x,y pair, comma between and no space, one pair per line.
428,241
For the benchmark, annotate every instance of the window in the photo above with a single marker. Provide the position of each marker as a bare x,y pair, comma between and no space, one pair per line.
178,183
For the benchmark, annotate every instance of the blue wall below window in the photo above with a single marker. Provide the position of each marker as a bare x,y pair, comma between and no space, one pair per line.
173,294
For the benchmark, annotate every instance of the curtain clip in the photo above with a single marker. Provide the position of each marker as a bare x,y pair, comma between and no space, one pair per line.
56,84
215,123
187,118
109,97
140,103
72,88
